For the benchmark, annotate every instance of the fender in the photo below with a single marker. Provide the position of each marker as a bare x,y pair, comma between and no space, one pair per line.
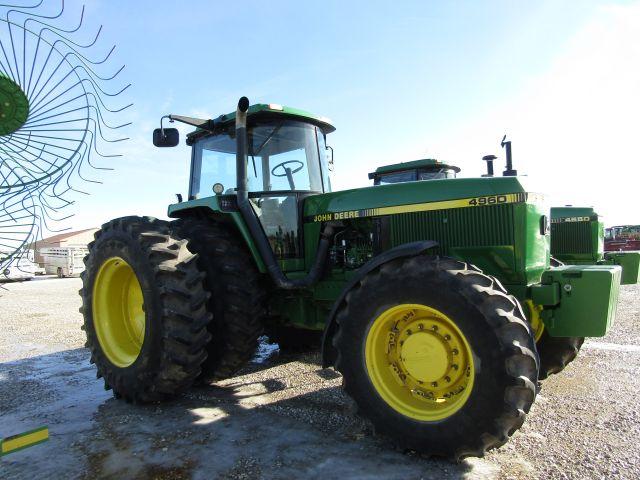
406,250
223,207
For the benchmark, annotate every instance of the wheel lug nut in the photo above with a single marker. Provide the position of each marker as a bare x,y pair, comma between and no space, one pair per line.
447,379
447,337
454,351
454,366
434,328
408,332
434,384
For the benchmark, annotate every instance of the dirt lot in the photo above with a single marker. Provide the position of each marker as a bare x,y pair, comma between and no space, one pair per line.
285,417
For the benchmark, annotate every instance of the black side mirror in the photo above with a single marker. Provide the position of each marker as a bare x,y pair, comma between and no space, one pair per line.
166,137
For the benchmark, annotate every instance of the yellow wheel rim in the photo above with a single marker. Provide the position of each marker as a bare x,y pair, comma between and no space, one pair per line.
537,325
118,312
419,362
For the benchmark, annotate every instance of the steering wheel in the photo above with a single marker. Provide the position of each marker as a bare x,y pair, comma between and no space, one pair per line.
287,171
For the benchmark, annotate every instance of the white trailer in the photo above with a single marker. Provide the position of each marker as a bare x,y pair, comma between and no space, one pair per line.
64,261
20,268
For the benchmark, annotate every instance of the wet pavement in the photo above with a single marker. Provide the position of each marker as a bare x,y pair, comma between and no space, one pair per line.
284,416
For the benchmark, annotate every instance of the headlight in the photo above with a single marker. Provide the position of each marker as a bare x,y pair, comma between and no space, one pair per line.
218,188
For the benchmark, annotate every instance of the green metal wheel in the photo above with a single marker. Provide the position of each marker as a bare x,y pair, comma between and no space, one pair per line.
14,106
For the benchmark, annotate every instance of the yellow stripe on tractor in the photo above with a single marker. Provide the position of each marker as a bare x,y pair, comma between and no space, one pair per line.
482,201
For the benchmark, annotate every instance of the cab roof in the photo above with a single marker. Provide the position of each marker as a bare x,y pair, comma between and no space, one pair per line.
270,110
426,163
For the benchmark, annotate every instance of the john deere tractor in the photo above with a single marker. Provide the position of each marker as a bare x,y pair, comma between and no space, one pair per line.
577,237
418,287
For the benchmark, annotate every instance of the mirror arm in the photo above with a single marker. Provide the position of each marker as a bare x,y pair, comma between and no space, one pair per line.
162,127
330,162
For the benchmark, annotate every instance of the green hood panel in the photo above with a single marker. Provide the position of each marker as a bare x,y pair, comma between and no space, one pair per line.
412,193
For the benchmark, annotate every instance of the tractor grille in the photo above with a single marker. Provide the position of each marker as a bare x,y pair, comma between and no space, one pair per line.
571,237
459,227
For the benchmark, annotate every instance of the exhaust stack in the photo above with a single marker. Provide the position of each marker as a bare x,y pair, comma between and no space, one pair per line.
489,159
509,171
257,232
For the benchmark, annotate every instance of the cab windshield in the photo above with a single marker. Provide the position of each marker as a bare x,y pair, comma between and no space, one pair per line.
436,174
413,175
396,177
283,156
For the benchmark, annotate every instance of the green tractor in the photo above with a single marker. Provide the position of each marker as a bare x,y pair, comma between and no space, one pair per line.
577,238
418,287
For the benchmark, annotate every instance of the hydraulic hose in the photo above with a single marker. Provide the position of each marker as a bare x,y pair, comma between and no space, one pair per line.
252,222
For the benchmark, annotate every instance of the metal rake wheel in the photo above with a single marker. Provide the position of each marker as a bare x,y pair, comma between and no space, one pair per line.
59,99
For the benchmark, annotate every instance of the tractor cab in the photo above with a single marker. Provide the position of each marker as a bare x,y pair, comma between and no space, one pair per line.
287,160
286,154
425,169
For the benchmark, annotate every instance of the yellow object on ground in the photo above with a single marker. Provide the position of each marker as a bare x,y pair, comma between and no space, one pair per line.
23,440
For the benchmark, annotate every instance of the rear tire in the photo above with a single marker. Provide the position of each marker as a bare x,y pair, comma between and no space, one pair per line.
237,298
144,308
465,411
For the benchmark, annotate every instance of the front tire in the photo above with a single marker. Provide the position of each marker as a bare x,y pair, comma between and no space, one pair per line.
556,353
437,356
144,308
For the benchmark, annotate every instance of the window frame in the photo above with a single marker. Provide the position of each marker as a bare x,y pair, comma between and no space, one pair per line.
195,171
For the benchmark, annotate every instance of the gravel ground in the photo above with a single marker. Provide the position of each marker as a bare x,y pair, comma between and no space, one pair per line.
285,417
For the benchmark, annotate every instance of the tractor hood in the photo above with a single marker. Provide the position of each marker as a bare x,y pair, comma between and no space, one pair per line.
569,214
418,196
